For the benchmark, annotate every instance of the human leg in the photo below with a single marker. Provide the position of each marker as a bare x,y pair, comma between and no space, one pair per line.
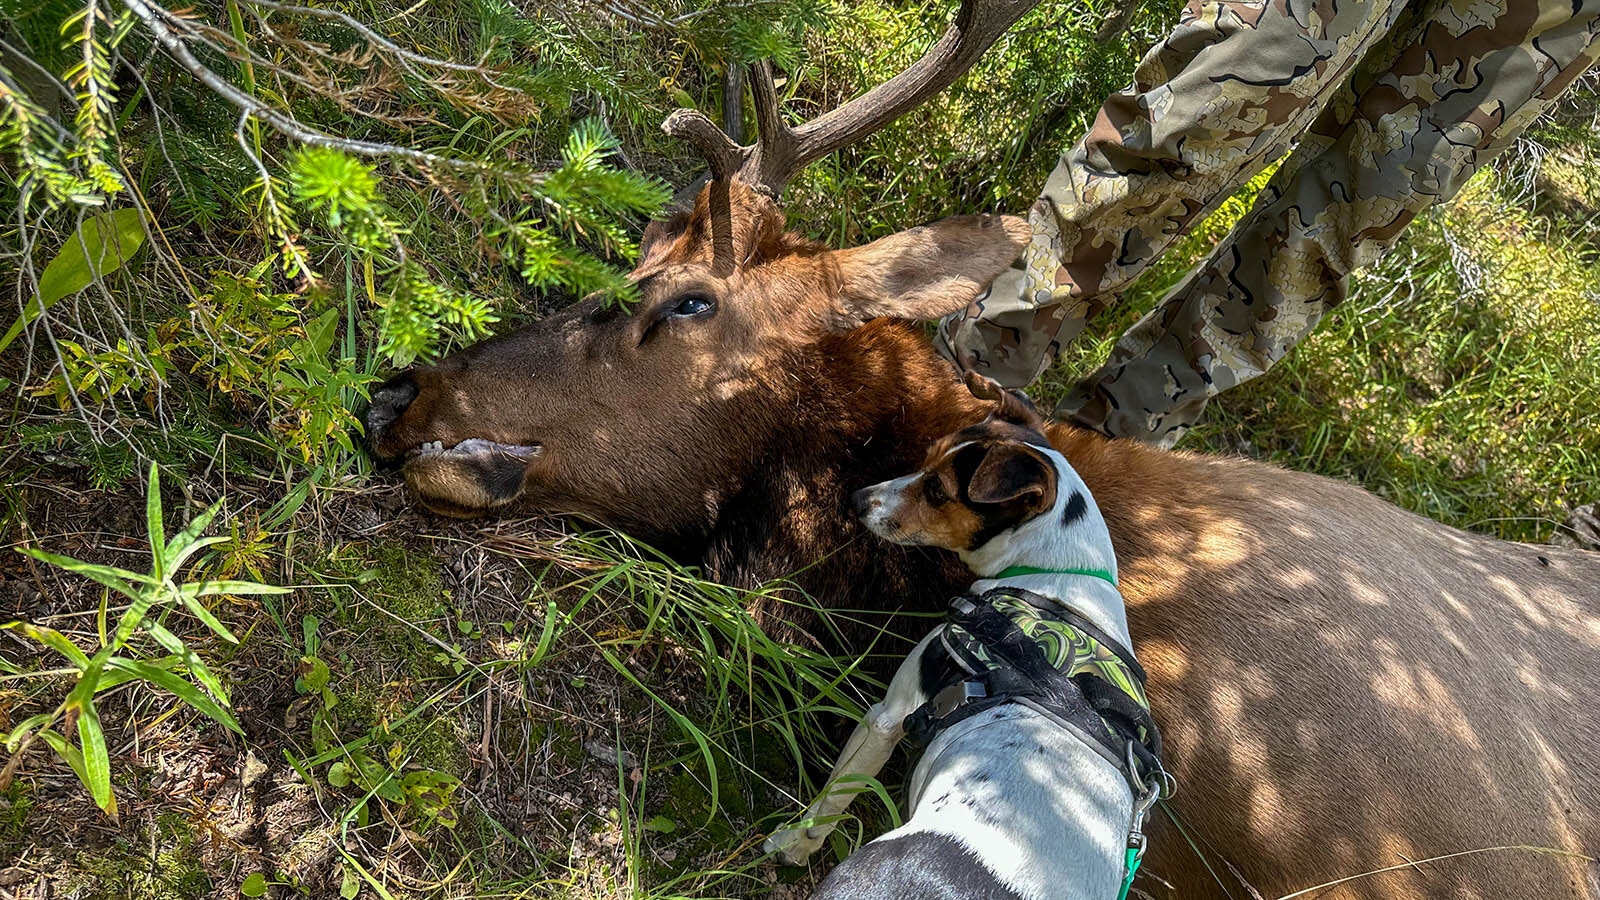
1211,104
1418,118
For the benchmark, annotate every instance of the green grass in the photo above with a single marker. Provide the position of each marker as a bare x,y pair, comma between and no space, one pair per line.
1456,380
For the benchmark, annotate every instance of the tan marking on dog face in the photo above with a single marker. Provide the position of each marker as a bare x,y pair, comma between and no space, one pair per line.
973,485
923,510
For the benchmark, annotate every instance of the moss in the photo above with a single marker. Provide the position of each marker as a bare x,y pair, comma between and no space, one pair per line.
409,587
408,584
125,870
16,801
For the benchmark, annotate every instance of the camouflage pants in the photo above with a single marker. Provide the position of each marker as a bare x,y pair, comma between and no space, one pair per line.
1390,106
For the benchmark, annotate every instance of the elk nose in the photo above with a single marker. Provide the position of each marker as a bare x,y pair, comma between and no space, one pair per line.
389,403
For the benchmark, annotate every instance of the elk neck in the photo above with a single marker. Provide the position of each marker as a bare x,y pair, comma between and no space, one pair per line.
861,407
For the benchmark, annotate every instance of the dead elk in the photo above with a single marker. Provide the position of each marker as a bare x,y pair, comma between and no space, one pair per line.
1345,687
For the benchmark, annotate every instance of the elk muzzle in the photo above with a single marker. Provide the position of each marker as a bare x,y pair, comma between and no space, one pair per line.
454,468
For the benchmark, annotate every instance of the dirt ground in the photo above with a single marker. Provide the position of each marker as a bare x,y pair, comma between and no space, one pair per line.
562,777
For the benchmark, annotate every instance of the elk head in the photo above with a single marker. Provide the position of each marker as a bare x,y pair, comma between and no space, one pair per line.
645,419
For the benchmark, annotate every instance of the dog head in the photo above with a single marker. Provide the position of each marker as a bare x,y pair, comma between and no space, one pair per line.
996,493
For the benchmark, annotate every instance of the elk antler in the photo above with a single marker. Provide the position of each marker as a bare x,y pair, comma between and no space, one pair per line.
781,151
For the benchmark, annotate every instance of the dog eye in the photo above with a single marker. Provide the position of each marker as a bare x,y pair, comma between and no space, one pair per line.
933,491
693,305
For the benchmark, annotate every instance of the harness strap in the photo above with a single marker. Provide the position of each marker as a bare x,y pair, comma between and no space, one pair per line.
1008,665
1101,701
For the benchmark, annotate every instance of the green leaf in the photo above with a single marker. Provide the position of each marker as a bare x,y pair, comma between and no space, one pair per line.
135,614
153,524
390,790
315,677
350,884
187,541
178,554
254,886
661,825
67,752
205,615
339,775
111,679
110,576
100,246
96,757
321,331
191,661
179,688
14,739
53,639
210,588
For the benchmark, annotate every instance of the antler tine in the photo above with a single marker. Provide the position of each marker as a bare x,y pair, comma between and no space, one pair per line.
773,158
780,151
977,25
723,156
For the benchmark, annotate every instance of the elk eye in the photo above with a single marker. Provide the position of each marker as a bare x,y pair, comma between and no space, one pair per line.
693,305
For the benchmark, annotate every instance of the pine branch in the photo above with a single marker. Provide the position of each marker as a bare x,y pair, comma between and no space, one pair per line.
156,19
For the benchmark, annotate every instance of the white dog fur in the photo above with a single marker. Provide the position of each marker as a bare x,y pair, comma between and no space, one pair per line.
1006,803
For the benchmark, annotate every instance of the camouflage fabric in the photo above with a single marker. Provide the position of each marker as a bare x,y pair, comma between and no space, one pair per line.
1390,107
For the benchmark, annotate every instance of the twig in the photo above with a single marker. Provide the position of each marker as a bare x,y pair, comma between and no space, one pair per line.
250,106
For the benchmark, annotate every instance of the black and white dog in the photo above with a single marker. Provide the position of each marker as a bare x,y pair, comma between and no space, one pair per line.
1042,759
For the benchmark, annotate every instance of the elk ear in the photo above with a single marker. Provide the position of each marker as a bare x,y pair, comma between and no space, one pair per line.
1013,471
930,271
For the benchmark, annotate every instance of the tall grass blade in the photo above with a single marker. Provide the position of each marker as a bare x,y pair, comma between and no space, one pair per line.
153,524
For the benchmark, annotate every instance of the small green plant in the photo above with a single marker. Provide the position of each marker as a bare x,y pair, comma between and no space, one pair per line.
267,351
366,763
152,597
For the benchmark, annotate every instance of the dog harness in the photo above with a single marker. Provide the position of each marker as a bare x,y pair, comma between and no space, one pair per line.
1009,645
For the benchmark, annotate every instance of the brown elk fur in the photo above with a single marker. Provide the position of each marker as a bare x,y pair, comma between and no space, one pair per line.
1343,686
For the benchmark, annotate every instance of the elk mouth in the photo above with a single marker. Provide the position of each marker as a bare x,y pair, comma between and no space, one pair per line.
473,448
471,477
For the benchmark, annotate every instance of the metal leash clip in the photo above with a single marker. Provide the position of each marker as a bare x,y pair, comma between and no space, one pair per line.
1154,789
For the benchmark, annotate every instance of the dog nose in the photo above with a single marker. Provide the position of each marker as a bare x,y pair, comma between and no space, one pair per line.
389,403
864,501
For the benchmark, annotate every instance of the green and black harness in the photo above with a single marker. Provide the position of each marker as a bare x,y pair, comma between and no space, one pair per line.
1009,645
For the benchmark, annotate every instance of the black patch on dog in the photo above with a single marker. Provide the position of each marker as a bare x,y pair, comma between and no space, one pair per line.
1077,508
917,866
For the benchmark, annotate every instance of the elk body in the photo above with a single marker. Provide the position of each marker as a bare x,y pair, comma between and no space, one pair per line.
1344,687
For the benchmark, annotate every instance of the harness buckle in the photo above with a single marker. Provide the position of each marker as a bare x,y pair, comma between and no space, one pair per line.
1151,790
956,696
962,605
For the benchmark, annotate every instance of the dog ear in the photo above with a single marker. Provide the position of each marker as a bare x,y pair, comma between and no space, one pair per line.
1015,407
1013,471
